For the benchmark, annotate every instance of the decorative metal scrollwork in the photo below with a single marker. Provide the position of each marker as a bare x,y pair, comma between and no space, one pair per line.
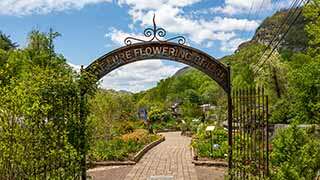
155,33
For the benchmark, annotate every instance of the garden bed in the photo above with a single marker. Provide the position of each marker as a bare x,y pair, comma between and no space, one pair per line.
126,150
206,161
203,154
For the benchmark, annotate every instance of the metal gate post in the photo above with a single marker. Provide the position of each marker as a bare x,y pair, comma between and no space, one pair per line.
229,122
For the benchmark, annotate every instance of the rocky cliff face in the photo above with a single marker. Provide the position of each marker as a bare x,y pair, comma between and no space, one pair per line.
295,40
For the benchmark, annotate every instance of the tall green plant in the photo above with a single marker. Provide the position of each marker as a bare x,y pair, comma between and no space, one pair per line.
295,154
39,123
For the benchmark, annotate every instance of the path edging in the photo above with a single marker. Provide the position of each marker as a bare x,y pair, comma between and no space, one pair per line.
111,163
132,161
167,130
144,150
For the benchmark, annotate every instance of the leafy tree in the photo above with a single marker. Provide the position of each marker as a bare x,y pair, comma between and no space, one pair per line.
242,64
192,96
107,108
209,92
304,88
6,43
40,41
311,12
301,101
39,126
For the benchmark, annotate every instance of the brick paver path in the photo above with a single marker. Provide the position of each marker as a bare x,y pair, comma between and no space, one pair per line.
170,158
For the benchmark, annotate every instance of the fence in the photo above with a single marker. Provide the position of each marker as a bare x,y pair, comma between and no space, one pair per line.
250,134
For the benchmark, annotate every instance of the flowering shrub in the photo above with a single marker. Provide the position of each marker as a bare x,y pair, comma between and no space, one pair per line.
139,135
121,148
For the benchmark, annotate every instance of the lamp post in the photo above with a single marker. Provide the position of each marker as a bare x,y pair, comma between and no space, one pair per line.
211,128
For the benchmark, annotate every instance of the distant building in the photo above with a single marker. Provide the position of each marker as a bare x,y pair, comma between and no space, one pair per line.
209,111
143,114
175,109
206,107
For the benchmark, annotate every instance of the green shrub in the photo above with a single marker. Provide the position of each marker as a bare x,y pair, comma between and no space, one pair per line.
202,143
295,154
170,124
109,150
155,115
123,127
190,124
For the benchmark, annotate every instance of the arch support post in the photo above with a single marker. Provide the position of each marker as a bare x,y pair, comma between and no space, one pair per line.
230,128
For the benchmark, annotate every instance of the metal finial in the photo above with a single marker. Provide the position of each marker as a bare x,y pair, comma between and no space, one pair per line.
156,34
154,22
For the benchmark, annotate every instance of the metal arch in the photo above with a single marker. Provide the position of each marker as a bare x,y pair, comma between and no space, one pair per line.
155,33
161,50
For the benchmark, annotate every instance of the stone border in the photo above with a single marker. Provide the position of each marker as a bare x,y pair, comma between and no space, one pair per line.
133,160
112,163
167,130
143,151
197,162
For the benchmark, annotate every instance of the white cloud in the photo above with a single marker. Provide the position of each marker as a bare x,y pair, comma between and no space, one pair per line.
232,7
229,24
27,7
232,45
75,67
170,15
224,10
118,36
139,75
151,4
246,4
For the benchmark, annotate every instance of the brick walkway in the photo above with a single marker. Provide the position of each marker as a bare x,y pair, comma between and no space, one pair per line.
170,158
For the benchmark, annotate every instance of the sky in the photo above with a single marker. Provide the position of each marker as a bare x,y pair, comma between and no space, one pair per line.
92,28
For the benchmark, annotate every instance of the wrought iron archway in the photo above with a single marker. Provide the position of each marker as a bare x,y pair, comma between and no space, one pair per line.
155,46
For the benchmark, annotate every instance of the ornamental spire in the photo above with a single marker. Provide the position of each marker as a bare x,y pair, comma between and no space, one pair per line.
155,34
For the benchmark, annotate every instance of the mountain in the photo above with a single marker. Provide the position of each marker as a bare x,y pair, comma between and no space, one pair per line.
295,40
182,71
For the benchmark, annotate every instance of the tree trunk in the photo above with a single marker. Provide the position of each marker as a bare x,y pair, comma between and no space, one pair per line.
276,82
